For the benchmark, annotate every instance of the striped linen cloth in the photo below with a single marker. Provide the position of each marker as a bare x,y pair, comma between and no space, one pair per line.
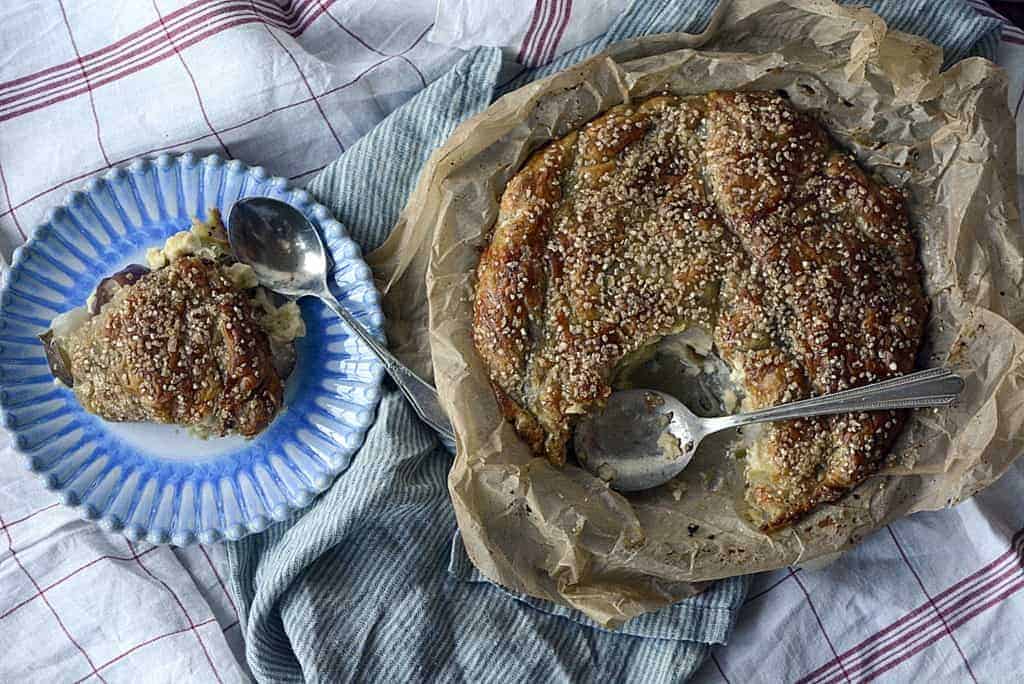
290,84
367,584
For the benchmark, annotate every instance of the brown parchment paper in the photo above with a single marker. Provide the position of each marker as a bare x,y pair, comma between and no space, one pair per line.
947,139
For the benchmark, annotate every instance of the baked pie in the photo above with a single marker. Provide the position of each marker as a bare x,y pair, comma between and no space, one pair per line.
732,215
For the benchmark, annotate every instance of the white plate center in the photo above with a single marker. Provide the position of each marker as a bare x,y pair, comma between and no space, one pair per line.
174,443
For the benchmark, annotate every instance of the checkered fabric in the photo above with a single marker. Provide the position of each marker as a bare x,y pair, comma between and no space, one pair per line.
290,84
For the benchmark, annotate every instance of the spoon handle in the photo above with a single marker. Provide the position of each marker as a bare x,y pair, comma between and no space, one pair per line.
420,393
933,387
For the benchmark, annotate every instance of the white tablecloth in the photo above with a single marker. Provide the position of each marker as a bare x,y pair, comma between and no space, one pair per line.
85,85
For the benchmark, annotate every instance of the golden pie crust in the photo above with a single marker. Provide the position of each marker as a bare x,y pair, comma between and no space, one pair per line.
731,212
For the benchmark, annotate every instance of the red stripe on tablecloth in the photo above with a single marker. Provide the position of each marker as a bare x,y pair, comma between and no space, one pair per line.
130,70
401,55
971,580
821,625
135,67
92,102
226,129
188,618
14,216
220,580
13,208
195,86
233,624
69,65
352,33
771,587
526,45
147,642
874,674
303,101
560,31
913,571
153,32
306,173
39,194
718,666
17,561
125,65
978,586
30,515
309,89
66,577
414,43
885,660
337,88
412,65
103,67
545,33
981,586
930,630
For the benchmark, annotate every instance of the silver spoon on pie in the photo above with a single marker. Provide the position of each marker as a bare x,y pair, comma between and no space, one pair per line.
643,438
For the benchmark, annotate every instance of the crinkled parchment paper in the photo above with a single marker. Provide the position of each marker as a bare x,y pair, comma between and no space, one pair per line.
947,139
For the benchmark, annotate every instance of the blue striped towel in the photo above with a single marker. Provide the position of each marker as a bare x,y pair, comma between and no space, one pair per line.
367,583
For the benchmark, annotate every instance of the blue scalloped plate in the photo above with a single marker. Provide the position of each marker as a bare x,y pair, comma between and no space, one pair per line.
158,481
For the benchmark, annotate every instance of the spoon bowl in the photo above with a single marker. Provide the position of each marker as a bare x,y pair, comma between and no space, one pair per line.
280,244
639,440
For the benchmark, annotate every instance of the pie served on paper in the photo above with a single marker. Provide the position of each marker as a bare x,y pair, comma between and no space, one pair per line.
728,217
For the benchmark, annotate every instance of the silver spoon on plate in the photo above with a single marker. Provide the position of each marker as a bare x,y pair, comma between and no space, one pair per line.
288,256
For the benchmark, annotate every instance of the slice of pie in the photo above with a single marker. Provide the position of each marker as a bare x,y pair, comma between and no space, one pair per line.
193,342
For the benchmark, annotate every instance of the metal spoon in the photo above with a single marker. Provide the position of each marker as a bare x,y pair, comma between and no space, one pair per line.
644,438
288,256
